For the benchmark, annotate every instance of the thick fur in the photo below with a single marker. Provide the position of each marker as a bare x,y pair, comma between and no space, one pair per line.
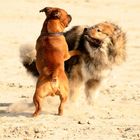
28,57
102,46
51,52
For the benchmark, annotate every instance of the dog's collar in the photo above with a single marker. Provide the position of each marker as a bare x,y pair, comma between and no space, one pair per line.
51,33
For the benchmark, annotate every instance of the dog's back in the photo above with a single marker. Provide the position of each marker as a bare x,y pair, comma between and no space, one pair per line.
72,37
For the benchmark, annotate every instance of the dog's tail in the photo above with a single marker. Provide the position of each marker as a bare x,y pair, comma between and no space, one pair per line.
27,55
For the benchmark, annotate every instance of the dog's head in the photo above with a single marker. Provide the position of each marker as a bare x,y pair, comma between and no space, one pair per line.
57,14
99,34
107,38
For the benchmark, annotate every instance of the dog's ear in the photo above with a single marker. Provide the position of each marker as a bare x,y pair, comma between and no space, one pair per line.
44,9
47,10
70,18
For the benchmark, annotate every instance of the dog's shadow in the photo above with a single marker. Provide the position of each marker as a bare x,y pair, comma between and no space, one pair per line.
21,110
9,114
15,110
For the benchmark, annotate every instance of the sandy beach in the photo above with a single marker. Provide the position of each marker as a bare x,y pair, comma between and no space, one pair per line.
116,113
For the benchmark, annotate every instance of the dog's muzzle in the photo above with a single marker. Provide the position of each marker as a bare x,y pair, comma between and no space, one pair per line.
96,43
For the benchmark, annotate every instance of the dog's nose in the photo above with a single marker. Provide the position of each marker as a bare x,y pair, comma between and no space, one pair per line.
85,29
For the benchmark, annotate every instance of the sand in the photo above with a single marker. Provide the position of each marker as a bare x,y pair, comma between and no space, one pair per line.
116,112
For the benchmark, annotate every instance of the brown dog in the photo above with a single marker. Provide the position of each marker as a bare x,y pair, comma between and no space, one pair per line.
52,51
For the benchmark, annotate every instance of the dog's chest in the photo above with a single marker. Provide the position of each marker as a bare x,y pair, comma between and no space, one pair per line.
89,71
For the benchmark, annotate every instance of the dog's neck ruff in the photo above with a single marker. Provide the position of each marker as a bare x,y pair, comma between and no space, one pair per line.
51,33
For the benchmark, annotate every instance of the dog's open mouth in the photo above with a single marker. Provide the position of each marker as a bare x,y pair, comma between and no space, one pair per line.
93,41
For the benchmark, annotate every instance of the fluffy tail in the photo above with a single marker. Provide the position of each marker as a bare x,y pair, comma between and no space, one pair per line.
28,55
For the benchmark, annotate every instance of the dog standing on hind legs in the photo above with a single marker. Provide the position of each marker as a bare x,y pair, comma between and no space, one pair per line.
52,51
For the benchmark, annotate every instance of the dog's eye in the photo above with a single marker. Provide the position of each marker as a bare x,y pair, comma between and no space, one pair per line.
98,30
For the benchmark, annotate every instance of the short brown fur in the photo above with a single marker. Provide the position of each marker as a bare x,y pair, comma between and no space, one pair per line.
52,51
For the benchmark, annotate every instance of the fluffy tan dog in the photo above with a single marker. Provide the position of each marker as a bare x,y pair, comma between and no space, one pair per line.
102,46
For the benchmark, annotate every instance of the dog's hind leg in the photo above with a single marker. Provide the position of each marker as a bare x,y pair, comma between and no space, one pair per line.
91,90
37,103
40,93
63,99
75,88
75,84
